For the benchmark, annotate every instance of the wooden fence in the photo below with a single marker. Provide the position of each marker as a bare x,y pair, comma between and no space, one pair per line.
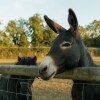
83,73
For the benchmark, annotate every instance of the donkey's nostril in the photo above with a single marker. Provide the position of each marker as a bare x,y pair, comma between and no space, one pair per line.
44,69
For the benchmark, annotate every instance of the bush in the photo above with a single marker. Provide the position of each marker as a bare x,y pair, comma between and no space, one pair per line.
8,53
13,53
95,51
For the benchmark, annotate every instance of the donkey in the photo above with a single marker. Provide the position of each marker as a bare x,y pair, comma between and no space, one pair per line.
67,52
13,87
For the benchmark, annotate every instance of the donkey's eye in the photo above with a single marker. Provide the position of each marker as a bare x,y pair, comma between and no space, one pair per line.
65,45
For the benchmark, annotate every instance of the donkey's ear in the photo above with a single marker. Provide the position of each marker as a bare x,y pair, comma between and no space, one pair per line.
35,58
19,58
54,26
72,19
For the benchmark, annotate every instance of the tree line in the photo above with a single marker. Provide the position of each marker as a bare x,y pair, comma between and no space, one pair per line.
33,33
91,33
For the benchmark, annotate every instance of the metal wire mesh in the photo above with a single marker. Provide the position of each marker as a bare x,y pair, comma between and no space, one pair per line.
15,88
87,90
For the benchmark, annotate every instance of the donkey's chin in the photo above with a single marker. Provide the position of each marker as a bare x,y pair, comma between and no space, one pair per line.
48,77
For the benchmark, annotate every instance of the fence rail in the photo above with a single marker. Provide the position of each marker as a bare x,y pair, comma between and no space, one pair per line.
19,70
83,73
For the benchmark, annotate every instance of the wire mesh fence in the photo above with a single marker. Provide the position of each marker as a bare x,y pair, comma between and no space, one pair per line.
86,90
15,88
56,89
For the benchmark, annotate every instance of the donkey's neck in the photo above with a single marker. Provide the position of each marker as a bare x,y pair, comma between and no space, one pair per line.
85,59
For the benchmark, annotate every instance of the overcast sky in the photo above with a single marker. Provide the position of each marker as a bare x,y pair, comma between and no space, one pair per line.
86,10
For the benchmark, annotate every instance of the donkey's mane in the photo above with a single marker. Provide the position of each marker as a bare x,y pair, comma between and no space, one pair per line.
85,59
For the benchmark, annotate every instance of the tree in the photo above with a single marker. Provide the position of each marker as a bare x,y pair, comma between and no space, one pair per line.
96,41
20,38
91,34
17,33
5,40
48,36
83,32
84,35
93,29
11,28
23,41
24,24
37,25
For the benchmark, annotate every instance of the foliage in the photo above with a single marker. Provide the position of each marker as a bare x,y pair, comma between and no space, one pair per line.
14,52
33,33
91,34
94,51
37,25
48,36
83,32
5,39
24,24
17,34
93,29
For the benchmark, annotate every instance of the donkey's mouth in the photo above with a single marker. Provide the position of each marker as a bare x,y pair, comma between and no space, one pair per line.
61,68
47,77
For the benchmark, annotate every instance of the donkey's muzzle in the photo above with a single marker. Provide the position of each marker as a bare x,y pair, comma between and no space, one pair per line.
43,70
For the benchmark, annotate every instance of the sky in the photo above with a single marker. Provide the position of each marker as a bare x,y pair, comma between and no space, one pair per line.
86,10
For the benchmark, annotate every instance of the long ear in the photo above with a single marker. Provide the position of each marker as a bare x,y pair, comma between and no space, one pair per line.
72,19
19,58
54,26
35,58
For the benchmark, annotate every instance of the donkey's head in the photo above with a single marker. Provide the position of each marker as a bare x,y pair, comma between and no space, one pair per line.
65,50
27,60
26,81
